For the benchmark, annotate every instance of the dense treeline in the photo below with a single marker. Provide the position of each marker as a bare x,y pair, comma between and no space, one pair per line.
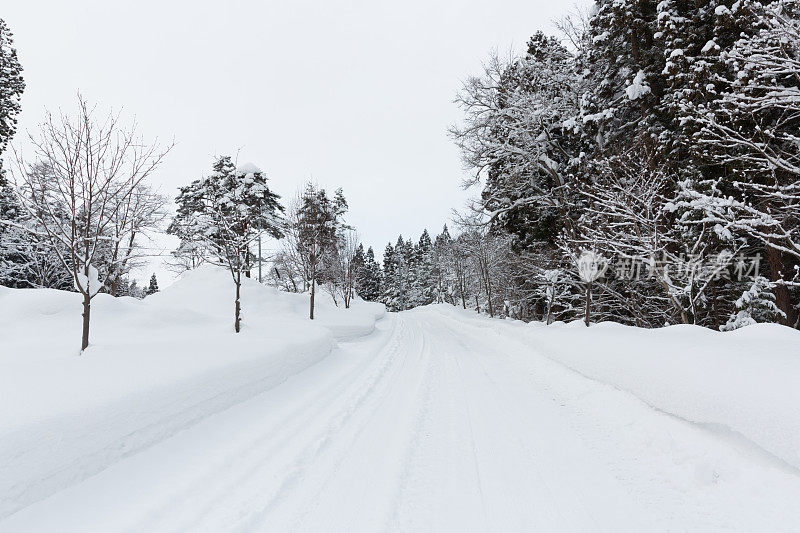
647,170
641,167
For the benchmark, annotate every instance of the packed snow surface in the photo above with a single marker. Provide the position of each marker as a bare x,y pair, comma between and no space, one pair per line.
435,419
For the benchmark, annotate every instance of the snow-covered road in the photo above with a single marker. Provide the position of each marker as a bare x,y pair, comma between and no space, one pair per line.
435,422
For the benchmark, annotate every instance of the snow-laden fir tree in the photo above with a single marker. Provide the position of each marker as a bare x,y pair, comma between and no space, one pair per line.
11,86
756,304
152,288
318,223
370,279
424,291
397,275
224,213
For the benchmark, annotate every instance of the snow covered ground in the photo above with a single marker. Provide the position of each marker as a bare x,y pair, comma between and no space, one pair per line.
154,368
433,419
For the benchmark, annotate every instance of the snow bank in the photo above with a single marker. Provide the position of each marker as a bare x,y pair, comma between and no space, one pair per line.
153,368
744,384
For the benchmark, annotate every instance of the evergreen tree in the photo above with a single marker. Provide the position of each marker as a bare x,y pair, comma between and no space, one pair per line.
131,288
756,304
396,275
368,275
318,221
223,213
442,257
153,287
371,278
426,282
12,260
11,87
519,136
388,270
358,265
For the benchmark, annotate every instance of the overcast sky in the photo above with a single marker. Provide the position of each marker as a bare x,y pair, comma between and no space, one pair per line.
354,94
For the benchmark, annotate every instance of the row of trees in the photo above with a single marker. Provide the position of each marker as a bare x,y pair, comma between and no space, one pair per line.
78,213
644,166
477,269
221,216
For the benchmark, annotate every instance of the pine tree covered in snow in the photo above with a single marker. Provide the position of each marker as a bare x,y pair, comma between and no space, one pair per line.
397,275
224,213
756,304
11,87
152,288
318,223
426,280
369,277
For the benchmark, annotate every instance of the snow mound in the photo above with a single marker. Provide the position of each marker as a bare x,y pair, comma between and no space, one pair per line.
638,87
153,368
741,384
744,381
249,168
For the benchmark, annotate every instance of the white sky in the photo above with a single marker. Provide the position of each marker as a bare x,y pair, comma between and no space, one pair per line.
356,94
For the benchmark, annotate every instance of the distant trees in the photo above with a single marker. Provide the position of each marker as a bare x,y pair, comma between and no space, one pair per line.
321,250
369,278
80,196
222,214
152,288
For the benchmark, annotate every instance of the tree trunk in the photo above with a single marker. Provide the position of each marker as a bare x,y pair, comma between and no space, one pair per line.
311,302
87,308
489,296
781,292
588,303
237,321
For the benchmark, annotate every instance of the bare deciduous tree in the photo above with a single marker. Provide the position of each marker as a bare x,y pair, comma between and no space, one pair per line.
81,191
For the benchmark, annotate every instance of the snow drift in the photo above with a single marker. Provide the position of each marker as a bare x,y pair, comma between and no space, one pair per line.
743,383
154,367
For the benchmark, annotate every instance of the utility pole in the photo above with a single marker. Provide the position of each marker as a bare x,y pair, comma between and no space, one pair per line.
260,217
259,257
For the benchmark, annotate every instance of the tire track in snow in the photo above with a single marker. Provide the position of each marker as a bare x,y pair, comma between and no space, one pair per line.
310,432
